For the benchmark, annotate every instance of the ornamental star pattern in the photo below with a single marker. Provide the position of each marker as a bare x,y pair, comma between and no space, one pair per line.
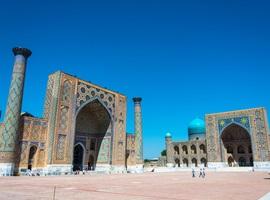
243,120
222,122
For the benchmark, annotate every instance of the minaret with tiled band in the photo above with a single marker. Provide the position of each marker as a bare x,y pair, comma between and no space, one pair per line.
138,130
10,130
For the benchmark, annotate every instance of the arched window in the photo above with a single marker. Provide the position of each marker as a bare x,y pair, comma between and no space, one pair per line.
193,149
194,162
203,162
185,162
202,148
177,162
176,150
185,149
240,149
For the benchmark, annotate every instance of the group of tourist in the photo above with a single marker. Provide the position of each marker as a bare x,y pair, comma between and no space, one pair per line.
29,172
202,173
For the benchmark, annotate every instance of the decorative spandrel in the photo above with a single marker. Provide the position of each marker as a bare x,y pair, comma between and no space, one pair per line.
242,121
86,93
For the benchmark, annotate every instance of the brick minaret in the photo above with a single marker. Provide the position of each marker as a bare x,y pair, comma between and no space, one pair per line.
8,139
138,130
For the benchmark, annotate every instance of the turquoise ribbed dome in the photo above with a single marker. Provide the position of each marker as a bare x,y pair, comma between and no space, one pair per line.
196,126
168,134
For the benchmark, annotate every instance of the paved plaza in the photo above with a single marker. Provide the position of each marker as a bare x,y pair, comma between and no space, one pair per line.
148,186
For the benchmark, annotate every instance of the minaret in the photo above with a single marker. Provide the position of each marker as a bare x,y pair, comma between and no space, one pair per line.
169,156
138,131
8,139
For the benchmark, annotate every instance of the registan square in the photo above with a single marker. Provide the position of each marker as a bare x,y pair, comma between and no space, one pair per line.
184,114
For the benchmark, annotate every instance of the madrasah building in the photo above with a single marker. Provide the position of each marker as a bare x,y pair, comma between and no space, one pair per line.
230,139
83,127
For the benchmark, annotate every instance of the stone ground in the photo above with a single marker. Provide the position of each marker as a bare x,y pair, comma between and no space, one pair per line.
147,186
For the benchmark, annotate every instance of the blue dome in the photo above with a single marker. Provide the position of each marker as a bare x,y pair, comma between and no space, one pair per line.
168,134
196,126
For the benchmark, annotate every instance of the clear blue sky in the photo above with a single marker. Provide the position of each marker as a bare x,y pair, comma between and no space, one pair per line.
184,58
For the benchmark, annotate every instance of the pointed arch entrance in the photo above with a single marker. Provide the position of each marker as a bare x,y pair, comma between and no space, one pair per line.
194,162
31,157
93,130
236,142
185,162
204,162
78,157
177,162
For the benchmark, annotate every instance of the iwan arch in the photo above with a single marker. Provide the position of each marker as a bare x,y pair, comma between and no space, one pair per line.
83,127
239,138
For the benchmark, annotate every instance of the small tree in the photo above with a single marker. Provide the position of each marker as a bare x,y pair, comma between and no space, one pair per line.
146,160
163,153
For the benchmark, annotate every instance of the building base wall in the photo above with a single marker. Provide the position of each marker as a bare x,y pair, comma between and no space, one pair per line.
50,170
107,168
170,165
103,168
216,165
257,165
262,165
119,169
57,169
54,170
135,169
7,169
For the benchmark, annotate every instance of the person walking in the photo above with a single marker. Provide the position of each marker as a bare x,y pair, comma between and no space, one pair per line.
201,173
193,173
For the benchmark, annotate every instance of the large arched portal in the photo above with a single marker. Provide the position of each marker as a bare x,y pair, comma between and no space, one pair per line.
236,143
93,131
